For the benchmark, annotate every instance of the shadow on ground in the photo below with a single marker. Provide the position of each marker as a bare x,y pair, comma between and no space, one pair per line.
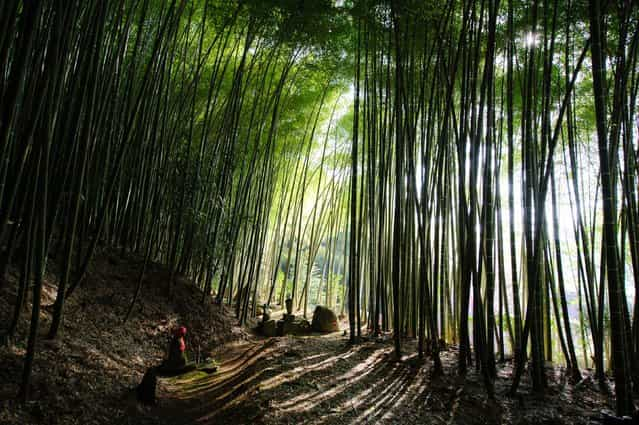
325,380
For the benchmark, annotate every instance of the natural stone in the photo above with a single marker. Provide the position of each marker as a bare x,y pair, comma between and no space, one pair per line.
295,327
324,320
269,328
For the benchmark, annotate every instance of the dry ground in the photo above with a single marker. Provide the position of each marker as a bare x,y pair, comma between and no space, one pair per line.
325,380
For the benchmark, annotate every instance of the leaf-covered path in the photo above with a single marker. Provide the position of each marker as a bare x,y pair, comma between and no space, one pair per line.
324,380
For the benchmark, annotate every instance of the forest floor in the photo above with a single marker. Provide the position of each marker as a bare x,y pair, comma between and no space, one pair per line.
88,374
325,380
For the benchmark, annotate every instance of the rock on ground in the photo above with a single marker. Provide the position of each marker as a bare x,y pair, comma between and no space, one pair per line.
324,320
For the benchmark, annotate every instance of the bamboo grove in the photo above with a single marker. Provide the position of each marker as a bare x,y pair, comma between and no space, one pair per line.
473,120
168,129
459,172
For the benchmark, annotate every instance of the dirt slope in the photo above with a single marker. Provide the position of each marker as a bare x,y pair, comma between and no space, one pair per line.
86,375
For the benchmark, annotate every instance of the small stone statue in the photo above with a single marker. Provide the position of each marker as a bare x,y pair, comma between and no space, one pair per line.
176,357
289,306
266,313
289,316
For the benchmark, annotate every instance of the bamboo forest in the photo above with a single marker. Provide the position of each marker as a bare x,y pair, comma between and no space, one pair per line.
319,212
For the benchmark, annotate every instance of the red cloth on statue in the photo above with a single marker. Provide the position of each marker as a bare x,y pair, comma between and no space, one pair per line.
180,332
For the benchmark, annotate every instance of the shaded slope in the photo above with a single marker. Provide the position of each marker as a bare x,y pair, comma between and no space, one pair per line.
87,374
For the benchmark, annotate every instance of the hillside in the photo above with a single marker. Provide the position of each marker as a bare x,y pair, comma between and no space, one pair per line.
85,376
